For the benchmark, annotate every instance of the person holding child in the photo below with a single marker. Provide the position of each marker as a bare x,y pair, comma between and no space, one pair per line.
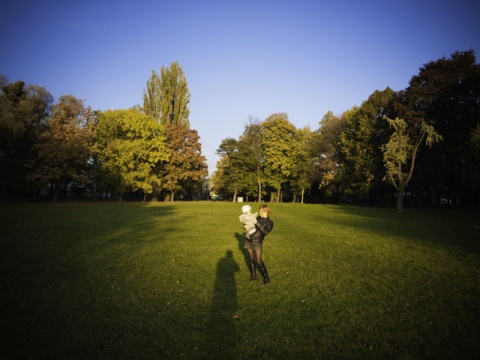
254,243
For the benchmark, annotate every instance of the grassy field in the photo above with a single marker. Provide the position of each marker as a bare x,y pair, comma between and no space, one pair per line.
159,280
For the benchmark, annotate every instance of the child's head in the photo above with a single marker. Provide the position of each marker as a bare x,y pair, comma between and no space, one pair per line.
246,208
264,211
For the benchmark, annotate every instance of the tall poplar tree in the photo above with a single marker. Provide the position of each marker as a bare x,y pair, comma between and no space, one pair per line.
167,96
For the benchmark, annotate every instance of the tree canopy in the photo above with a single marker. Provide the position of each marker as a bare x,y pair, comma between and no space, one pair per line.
426,152
167,96
131,146
279,147
187,165
400,152
24,111
351,154
445,94
64,147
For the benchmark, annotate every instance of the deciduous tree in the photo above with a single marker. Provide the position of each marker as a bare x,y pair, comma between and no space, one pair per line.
400,152
131,148
24,109
445,93
278,144
328,156
64,148
230,172
252,150
187,166
304,163
366,131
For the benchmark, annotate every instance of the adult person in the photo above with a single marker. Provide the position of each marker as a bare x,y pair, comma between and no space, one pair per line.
254,244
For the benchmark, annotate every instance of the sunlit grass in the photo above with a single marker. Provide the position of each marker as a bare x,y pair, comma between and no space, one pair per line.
159,280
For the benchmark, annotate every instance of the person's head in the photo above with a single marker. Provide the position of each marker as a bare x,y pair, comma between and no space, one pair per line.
246,209
264,211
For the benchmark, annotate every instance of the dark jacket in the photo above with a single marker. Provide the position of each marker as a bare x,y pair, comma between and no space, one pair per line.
263,227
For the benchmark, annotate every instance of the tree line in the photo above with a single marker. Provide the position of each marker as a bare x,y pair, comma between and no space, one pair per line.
59,146
420,145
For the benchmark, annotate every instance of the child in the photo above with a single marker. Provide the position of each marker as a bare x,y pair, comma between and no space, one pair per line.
248,219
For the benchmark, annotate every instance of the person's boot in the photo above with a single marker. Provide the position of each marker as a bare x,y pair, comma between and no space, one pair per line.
264,272
253,270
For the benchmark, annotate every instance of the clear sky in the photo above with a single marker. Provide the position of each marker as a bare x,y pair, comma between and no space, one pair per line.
241,58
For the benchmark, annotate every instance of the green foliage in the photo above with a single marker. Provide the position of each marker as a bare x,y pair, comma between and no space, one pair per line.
131,145
64,147
349,151
109,281
167,96
303,172
445,94
24,110
234,173
328,149
279,147
152,97
251,144
341,161
360,143
271,152
400,153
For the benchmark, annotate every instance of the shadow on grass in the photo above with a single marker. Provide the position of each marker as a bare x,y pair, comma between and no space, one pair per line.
450,228
222,334
241,242
57,258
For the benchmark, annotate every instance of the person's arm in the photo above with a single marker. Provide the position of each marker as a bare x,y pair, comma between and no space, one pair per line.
264,227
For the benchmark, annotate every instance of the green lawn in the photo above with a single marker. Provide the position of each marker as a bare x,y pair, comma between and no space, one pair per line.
160,280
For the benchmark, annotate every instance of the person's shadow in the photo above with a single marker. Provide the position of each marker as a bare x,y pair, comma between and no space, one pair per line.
222,336
241,242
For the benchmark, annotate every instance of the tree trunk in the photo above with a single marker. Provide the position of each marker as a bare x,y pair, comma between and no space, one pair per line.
55,192
401,191
259,191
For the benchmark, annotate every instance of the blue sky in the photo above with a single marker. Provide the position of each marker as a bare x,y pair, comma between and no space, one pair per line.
241,58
